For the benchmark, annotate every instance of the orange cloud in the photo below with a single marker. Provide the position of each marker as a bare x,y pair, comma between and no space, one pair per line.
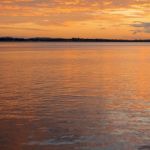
69,18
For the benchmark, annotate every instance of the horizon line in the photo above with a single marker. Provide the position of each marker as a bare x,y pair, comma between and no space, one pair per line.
61,39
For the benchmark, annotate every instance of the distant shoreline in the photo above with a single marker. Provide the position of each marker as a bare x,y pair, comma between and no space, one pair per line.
39,39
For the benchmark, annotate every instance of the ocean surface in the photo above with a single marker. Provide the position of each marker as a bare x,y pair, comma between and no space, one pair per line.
74,96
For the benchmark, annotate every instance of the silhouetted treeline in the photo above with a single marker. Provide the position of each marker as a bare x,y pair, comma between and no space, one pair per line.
43,39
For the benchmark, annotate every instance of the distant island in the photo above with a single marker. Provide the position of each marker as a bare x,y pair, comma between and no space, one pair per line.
44,39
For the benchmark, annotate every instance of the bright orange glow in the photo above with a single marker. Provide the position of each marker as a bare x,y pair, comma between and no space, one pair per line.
127,19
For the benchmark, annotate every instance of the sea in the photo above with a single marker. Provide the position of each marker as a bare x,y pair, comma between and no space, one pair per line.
74,96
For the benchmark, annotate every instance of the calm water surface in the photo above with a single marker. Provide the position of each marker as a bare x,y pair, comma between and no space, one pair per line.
74,96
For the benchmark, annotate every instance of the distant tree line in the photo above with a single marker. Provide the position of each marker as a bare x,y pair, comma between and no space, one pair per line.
44,39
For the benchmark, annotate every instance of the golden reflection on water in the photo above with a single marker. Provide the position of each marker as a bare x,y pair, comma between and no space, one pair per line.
74,96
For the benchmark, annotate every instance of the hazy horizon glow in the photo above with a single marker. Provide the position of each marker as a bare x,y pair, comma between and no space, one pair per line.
120,19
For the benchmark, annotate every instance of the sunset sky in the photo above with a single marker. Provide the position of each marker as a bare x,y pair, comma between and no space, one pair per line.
122,19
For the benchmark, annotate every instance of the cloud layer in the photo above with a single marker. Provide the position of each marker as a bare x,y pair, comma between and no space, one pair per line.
69,18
